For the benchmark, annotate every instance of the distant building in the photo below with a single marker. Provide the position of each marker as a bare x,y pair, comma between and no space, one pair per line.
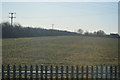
114,35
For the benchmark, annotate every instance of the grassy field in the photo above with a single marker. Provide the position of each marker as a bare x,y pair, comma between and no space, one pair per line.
60,50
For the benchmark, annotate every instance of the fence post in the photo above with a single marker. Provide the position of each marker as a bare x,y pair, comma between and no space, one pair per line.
66,72
72,72
115,71
56,72
101,72
106,70
87,72
25,72
14,71
61,72
46,72
118,71
31,72
41,69
92,72
82,72
36,71
20,72
77,72
96,72
3,72
8,71
51,72
111,72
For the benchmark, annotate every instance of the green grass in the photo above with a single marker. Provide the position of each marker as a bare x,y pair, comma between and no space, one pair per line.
60,50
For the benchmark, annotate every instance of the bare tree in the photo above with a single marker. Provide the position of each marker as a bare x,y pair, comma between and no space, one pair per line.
100,33
80,31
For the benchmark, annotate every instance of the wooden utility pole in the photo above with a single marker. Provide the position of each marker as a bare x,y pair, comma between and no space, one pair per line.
11,17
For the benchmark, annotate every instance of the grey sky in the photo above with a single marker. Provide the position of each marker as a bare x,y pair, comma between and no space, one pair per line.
90,16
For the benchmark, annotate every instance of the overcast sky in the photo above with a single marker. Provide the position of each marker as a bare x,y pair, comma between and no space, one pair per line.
90,16
59,0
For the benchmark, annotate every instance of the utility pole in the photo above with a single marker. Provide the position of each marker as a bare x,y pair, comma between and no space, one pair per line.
52,26
11,17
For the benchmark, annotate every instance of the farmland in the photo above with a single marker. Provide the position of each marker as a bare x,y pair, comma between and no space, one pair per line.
60,50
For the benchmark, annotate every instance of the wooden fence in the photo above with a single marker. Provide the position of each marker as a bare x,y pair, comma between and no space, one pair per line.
61,72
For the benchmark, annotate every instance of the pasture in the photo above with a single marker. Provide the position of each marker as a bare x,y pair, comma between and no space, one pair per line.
60,50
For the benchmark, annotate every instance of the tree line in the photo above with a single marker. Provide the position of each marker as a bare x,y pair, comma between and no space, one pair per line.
16,31
99,33
95,33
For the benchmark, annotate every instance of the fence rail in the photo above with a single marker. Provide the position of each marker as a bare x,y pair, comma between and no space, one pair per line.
61,72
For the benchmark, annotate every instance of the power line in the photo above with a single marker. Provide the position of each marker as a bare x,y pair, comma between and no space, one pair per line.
11,17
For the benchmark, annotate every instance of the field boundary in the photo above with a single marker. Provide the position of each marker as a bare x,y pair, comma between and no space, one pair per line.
61,72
